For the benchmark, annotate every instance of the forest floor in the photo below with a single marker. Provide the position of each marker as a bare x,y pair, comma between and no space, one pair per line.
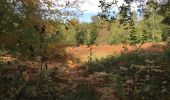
103,51
69,72
79,55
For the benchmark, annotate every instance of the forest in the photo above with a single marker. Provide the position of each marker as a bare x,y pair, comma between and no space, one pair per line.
47,53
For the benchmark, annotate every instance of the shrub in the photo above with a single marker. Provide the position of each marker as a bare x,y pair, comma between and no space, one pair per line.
137,75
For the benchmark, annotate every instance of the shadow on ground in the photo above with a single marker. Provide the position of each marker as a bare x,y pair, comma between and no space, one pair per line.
134,75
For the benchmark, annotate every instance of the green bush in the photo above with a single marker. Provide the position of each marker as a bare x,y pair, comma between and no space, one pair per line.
137,75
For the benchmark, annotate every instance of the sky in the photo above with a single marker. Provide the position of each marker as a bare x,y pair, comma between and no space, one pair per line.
90,8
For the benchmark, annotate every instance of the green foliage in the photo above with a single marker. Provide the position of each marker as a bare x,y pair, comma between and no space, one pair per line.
119,33
103,32
152,29
90,37
137,75
26,27
165,33
132,36
86,34
30,29
80,37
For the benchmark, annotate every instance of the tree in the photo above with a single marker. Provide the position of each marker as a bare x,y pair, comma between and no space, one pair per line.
21,22
165,12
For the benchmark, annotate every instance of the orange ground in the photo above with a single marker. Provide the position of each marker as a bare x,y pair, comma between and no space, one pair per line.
79,55
102,51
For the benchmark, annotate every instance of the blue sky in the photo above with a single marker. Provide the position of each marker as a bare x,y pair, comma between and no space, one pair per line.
87,17
90,8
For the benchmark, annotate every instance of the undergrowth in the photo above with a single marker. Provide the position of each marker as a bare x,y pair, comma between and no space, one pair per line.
137,75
